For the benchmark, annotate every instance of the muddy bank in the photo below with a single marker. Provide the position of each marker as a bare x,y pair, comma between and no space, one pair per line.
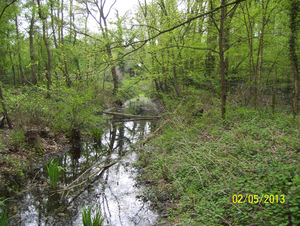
23,152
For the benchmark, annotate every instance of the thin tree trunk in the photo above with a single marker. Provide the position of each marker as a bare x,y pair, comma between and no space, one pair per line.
108,47
48,65
13,69
33,73
67,77
175,76
19,54
52,23
294,9
210,59
4,109
262,43
260,51
222,60
113,70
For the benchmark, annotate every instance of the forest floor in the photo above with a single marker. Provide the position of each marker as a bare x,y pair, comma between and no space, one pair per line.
244,170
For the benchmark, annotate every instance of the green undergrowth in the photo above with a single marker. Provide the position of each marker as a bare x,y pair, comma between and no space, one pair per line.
48,113
59,109
199,164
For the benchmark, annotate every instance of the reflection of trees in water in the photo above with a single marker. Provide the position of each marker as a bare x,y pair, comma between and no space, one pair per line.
142,129
112,135
76,162
39,206
123,134
75,152
153,126
121,138
105,204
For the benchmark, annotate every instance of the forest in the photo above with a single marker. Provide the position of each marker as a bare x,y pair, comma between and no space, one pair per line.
221,75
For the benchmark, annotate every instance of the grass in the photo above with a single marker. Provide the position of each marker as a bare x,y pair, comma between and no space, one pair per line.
87,218
53,170
17,138
3,214
201,164
3,218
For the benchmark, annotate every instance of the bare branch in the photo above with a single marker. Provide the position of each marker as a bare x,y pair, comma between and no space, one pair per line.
6,8
89,12
110,9
185,22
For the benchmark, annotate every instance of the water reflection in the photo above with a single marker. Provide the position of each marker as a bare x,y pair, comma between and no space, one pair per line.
114,189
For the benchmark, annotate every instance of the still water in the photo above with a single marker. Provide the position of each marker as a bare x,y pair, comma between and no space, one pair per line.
115,190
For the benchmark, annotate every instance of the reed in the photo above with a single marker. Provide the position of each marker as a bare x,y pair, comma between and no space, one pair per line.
53,170
87,219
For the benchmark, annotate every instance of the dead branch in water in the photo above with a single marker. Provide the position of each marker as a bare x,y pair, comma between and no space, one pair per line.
77,185
135,120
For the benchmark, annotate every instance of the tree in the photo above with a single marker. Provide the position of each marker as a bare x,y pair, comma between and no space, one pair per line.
19,50
294,27
103,25
43,16
1,94
31,30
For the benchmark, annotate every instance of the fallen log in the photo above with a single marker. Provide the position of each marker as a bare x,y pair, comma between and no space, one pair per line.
130,116
136,119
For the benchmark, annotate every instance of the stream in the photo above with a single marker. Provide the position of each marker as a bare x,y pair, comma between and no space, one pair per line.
116,190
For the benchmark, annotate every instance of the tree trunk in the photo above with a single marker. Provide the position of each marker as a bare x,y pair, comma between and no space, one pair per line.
222,60
105,34
52,23
33,73
19,54
210,59
4,109
66,72
13,69
294,9
48,65
113,70
262,43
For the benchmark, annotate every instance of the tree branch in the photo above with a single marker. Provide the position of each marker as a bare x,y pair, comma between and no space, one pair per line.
6,8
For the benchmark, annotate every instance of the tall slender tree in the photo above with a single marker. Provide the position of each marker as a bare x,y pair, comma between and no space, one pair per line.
19,50
43,16
294,27
31,36
102,22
